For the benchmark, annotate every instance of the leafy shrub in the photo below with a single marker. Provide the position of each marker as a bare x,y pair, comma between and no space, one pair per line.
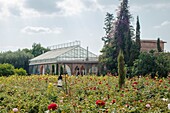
153,64
20,71
6,70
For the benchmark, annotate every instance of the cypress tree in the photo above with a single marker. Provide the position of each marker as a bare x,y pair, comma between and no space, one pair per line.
136,45
138,34
121,69
158,45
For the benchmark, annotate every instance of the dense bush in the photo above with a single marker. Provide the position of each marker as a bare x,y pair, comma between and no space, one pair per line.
6,70
20,71
153,64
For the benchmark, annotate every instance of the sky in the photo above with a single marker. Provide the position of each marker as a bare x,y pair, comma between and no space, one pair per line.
52,22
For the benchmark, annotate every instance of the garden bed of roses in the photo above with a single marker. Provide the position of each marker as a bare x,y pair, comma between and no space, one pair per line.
87,94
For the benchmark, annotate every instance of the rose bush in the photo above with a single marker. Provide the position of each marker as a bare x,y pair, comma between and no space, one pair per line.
35,94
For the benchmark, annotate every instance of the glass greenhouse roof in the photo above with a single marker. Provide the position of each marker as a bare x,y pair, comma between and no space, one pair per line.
73,53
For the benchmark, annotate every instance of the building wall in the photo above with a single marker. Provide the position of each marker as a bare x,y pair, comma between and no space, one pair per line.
147,45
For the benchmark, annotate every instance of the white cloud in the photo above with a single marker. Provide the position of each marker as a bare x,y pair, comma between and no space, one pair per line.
28,9
75,7
70,7
4,12
29,13
165,23
149,6
94,5
41,30
16,8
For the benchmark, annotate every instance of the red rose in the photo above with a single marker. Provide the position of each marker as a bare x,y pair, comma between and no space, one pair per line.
52,106
94,88
113,101
100,102
135,83
160,80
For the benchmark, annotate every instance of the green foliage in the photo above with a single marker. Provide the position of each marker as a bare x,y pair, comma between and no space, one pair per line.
6,70
163,64
136,45
153,64
127,48
108,28
109,53
124,31
37,49
121,69
108,58
19,59
119,35
145,64
134,53
20,71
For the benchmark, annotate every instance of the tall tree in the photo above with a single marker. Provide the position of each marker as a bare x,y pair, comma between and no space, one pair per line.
158,45
122,32
121,39
136,45
108,57
138,34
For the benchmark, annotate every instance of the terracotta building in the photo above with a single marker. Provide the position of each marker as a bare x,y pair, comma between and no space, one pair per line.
147,45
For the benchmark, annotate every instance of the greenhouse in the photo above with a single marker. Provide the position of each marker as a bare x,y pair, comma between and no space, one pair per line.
68,58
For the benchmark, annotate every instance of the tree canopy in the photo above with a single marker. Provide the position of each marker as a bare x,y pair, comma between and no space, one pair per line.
20,58
119,36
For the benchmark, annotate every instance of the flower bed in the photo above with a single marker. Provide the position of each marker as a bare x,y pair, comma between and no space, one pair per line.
90,94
